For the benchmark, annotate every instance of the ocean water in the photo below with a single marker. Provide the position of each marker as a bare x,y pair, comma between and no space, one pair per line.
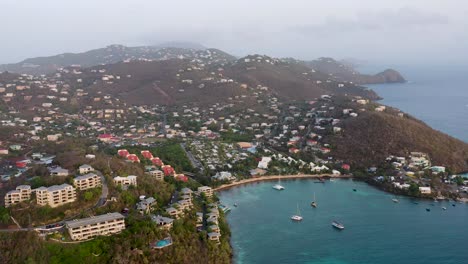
377,230
435,94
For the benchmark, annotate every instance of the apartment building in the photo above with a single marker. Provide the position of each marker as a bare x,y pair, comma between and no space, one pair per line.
206,190
101,225
55,195
85,168
87,181
21,193
157,174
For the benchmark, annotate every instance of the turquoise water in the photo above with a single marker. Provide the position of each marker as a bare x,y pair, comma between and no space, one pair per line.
376,229
436,94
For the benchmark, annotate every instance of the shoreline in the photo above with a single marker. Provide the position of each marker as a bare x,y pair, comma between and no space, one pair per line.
277,177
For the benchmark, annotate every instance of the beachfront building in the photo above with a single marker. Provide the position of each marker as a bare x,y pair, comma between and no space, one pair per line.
87,181
126,181
20,194
425,190
208,191
86,228
55,195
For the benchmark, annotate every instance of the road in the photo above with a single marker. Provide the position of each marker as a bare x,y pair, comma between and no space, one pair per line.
195,163
104,191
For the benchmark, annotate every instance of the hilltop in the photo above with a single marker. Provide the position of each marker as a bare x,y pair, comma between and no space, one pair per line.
370,138
112,54
345,71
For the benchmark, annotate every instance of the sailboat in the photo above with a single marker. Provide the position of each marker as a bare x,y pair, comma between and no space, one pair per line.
278,186
297,216
313,203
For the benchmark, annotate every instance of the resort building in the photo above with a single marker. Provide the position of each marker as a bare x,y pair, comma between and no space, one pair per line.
85,168
22,193
87,181
55,195
206,190
86,228
126,181
145,205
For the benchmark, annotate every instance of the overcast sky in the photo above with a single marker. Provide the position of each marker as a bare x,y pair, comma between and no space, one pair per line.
397,31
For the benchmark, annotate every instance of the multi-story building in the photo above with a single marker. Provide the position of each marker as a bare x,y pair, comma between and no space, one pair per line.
86,228
55,195
206,190
126,181
87,181
85,168
22,193
157,174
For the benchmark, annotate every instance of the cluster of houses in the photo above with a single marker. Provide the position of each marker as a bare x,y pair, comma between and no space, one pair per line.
158,169
55,195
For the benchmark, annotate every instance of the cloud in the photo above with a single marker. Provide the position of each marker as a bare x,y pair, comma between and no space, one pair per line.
388,19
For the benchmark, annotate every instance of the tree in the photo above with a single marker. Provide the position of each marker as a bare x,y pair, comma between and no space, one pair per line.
459,180
413,189
4,215
88,196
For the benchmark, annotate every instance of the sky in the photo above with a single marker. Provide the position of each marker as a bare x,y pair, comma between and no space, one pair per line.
394,32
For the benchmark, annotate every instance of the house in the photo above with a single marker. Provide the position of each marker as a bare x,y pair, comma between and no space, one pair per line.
186,191
213,236
90,227
126,181
208,191
157,174
346,167
59,171
123,153
3,151
105,138
85,168
133,158
144,206
173,212
224,176
168,170
163,222
438,169
146,154
90,156
425,190
15,147
55,195
263,164
87,181
156,161
22,193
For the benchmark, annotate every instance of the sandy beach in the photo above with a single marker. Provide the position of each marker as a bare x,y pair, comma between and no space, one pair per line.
276,177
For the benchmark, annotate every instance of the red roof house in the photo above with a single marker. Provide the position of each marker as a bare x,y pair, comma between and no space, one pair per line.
133,158
168,170
146,154
123,153
157,161
345,167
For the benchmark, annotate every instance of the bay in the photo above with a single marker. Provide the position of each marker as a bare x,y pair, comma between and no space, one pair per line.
377,230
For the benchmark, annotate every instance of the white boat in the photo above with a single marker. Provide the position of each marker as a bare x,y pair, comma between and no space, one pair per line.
297,216
337,225
445,208
395,200
278,186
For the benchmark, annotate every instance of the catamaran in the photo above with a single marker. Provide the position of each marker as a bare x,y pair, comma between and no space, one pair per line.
278,186
313,203
297,216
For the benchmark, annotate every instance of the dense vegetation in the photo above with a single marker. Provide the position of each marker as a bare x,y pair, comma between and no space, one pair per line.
372,136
